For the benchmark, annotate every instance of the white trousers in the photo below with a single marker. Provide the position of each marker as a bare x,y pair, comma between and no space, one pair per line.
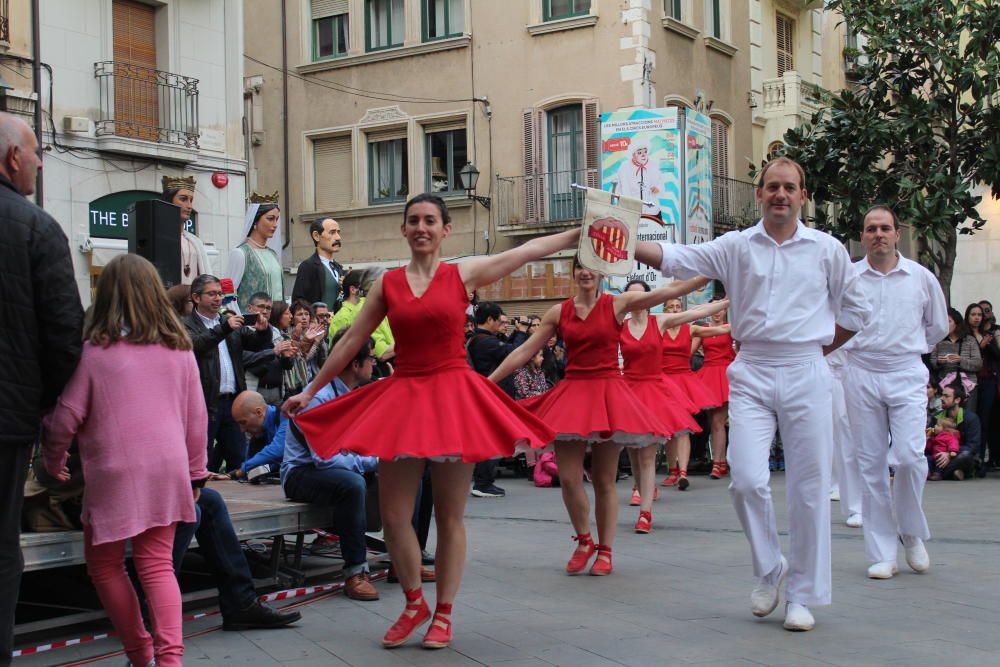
883,404
795,398
846,474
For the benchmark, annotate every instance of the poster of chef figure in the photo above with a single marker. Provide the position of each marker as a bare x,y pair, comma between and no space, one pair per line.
639,177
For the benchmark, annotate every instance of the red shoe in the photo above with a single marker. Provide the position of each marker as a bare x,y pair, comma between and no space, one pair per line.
725,469
672,478
682,480
584,550
602,566
439,634
407,623
716,470
634,502
644,524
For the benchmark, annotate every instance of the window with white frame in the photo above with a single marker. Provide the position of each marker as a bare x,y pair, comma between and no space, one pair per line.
553,10
443,18
674,9
713,18
388,171
445,153
330,21
785,34
333,173
720,147
385,24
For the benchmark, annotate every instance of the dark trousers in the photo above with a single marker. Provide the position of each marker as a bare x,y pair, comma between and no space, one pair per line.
221,548
966,462
344,491
424,508
225,440
987,400
484,474
13,471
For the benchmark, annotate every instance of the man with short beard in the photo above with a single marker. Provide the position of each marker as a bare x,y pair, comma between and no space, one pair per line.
886,390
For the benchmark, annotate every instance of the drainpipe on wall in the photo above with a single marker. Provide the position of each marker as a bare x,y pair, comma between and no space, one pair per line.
284,117
36,67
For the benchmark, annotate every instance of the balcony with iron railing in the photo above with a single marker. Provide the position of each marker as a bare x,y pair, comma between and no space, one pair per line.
5,22
541,203
139,103
734,205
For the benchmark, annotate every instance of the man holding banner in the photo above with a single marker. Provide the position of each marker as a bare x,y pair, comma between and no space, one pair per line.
794,297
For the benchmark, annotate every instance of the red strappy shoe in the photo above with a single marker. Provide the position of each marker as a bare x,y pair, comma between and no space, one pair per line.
644,524
584,550
716,470
407,623
636,499
602,566
682,479
672,478
439,634
724,469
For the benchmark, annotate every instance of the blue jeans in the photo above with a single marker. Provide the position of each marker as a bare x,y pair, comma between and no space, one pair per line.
221,548
225,440
344,491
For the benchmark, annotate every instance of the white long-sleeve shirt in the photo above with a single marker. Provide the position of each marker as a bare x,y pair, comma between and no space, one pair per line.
791,294
910,316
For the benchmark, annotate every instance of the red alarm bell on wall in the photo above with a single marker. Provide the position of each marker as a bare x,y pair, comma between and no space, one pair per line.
220,180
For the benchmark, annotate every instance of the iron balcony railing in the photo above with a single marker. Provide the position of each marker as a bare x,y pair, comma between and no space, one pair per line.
5,21
545,198
148,104
734,205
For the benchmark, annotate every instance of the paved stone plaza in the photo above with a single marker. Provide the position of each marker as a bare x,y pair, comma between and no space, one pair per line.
678,595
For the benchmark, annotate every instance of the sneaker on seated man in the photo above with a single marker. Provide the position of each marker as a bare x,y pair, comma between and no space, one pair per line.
221,548
337,482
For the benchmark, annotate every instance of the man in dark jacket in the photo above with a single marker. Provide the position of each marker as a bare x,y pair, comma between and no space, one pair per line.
218,347
319,276
486,352
39,340
963,464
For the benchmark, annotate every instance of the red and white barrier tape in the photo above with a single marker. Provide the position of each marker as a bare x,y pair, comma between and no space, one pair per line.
287,594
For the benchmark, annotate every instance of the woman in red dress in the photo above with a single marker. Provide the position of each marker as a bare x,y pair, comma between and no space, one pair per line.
641,349
434,406
677,352
719,353
593,405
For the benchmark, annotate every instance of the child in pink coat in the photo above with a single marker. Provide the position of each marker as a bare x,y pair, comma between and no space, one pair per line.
136,408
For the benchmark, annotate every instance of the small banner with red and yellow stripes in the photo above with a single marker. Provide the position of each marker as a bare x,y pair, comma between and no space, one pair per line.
610,226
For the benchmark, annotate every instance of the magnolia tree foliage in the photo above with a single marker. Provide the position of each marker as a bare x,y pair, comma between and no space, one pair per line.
920,128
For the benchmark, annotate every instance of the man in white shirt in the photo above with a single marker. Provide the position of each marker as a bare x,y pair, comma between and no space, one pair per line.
886,385
793,297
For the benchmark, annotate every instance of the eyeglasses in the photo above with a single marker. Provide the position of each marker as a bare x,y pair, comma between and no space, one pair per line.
212,294
262,308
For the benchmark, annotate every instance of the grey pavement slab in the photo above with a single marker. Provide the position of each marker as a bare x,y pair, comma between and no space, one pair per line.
679,596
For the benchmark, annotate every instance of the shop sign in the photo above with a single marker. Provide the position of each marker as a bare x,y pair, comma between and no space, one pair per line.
109,215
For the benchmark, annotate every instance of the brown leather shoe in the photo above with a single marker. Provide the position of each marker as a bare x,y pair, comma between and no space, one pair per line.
426,575
359,587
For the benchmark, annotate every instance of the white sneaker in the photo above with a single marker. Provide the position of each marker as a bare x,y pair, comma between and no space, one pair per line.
835,494
916,554
884,570
764,598
854,521
798,618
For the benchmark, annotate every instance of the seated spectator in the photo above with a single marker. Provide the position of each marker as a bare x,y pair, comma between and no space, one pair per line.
957,357
942,438
546,472
933,403
338,482
963,464
142,449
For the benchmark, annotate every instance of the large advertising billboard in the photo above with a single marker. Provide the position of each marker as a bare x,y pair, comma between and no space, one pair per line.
698,187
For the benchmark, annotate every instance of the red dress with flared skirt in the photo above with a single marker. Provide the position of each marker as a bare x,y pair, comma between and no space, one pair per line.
719,353
676,365
646,380
434,405
593,403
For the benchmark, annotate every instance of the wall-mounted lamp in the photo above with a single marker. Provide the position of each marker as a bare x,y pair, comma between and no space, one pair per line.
468,177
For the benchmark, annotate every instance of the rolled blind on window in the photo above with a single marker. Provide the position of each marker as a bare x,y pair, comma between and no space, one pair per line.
324,8
334,176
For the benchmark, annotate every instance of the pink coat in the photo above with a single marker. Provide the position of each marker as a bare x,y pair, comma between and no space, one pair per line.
139,415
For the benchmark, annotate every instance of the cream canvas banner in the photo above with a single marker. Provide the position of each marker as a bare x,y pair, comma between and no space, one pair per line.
610,226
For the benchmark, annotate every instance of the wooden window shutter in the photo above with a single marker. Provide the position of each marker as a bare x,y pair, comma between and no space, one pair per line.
592,142
323,8
720,148
532,160
137,111
334,177
785,30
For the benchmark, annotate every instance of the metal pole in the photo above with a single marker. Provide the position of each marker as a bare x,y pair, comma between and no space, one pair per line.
36,66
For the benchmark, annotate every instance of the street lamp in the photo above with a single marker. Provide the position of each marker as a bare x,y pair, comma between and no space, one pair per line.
468,177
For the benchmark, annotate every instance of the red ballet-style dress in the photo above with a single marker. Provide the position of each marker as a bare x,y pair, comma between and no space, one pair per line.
719,353
676,365
433,405
646,380
593,403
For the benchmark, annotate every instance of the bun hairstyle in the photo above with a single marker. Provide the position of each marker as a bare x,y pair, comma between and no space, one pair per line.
261,210
645,285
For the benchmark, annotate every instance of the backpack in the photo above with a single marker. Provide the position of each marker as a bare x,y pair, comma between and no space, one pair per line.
468,349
